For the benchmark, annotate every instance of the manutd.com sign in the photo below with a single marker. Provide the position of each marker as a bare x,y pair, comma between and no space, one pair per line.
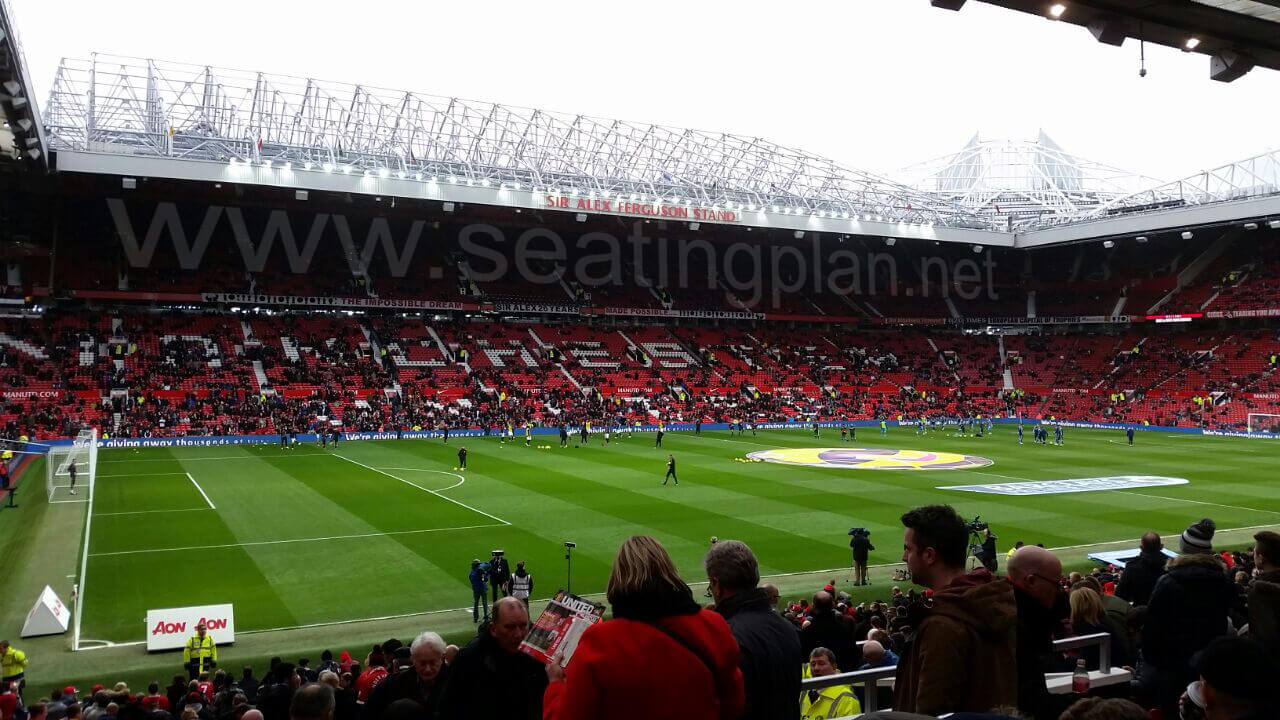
171,627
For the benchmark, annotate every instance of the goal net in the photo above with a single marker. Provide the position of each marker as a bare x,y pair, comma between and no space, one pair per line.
1264,423
70,470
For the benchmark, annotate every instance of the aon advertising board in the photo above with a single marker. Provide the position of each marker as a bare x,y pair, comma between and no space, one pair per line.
169,628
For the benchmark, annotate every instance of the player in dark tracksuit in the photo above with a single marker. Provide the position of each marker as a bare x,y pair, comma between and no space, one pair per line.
564,436
462,458
658,443
1129,432
71,470
671,470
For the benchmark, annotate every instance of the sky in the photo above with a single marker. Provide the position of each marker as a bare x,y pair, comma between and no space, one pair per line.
874,84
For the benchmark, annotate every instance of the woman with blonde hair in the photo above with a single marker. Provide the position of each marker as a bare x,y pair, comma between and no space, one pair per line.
1087,618
661,656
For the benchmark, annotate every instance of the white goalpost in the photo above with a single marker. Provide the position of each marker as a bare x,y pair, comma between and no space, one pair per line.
1264,423
81,457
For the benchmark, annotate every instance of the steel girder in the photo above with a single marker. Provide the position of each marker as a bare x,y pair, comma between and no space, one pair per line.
126,105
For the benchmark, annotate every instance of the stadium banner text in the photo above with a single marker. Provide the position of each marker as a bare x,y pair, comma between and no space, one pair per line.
334,302
169,628
619,206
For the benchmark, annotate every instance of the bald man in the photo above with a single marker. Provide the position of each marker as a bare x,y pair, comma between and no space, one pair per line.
492,679
1035,574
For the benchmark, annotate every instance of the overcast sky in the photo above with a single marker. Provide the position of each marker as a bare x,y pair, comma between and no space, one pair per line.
874,84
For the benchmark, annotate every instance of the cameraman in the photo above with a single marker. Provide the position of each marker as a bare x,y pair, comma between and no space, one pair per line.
988,556
860,545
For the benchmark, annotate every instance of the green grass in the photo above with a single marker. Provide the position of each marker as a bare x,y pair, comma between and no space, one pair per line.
310,537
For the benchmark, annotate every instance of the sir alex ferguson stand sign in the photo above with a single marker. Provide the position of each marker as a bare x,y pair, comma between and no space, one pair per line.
169,628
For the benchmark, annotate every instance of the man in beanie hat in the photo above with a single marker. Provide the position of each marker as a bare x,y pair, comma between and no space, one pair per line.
1188,610
1237,681
1198,538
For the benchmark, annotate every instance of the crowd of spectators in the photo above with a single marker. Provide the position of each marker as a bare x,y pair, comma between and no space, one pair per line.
1197,632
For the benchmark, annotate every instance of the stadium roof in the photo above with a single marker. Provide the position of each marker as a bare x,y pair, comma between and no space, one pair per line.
192,112
21,134
1020,183
1237,35
141,118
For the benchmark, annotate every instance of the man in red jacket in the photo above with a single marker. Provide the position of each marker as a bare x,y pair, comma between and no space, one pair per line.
963,654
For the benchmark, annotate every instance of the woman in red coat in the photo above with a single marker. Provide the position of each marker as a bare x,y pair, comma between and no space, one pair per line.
661,656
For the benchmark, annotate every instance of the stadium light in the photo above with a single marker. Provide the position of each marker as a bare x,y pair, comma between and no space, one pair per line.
1191,44
368,173
300,194
417,176
799,234
580,217
776,209
1187,234
400,174
516,186
231,161
890,241
1056,10
1108,244
1141,238
346,169
485,182
434,179
694,225
1251,226
977,248
306,165
1273,224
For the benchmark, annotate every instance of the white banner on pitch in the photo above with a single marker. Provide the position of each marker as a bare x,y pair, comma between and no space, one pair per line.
169,628
48,616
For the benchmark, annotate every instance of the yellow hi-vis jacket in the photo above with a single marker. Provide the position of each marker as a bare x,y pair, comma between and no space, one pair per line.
200,650
13,663
830,704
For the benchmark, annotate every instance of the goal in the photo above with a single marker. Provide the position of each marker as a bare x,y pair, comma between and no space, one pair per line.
1264,423
83,454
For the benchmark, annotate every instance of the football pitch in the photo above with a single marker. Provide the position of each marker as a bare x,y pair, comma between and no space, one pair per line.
309,536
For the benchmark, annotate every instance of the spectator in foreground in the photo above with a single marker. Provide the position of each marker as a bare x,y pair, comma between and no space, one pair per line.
1237,682
423,681
876,655
769,649
1095,708
829,629
1187,610
660,657
834,701
1141,573
1264,592
1042,606
313,701
491,677
963,654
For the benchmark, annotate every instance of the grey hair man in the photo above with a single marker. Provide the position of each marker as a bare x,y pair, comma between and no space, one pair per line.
770,655
423,681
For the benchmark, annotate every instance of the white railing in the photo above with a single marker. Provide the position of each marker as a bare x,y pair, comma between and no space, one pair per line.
869,680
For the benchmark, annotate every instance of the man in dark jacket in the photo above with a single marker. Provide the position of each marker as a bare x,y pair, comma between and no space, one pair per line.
1264,592
1187,610
963,655
1042,605
1141,573
491,677
424,681
770,655
830,630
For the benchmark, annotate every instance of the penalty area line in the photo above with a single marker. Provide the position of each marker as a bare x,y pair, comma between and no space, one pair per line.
202,493
413,484
257,543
